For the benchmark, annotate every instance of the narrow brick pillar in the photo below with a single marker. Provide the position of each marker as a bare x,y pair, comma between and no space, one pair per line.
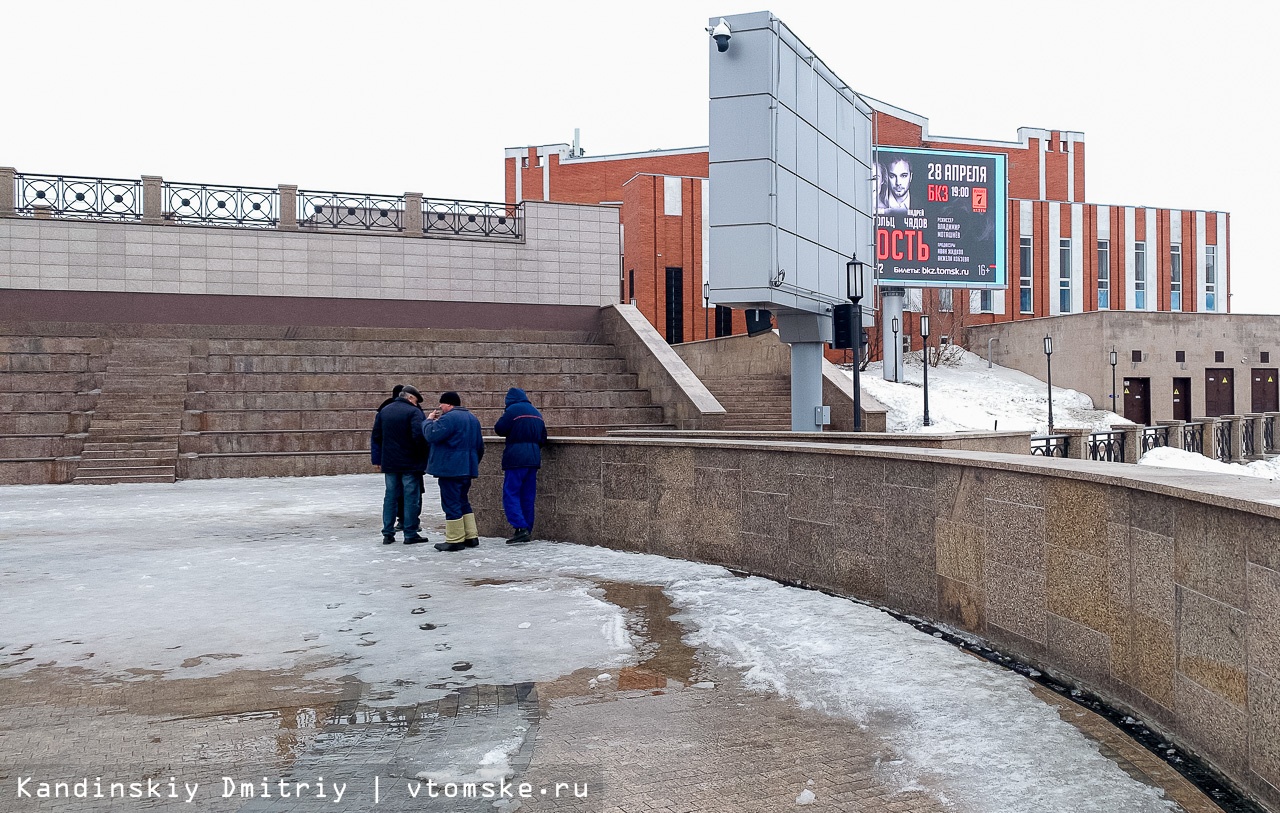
1077,442
1258,422
288,220
1208,436
413,214
152,199
1237,436
7,203
1132,440
1175,432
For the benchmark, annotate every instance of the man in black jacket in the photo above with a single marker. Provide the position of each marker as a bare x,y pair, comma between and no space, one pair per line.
398,447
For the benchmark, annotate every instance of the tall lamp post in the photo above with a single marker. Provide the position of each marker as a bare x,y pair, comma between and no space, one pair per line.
706,310
1114,359
853,286
1048,361
897,347
924,340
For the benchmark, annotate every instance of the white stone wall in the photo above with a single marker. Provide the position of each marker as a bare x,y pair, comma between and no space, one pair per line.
569,257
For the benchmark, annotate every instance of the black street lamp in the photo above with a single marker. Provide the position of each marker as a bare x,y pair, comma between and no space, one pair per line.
1114,359
706,310
924,340
1048,361
853,286
897,346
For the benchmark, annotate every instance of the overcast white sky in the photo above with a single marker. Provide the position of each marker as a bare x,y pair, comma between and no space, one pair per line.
398,96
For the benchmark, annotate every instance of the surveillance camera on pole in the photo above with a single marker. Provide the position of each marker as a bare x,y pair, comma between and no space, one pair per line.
721,33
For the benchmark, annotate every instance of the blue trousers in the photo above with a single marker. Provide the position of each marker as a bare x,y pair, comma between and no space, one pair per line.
519,492
453,496
403,493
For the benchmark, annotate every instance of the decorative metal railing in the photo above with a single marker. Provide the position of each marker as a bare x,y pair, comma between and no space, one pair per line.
77,197
1106,446
1248,446
1049,445
1269,434
224,205
154,200
1222,441
1153,437
467,217
1193,437
347,210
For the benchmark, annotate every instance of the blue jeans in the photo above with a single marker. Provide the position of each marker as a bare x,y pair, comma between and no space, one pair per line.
402,489
453,496
519,492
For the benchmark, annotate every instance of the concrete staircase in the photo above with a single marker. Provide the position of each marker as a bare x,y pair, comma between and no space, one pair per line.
760,403
133,436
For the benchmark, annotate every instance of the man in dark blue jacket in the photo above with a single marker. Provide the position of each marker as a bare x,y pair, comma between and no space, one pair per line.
526,433
457,445
397,446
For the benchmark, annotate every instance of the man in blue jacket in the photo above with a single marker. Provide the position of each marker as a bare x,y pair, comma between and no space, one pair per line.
456,448
526,433
397,446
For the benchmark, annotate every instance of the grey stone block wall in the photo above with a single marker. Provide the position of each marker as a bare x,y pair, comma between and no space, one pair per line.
569,256
1159,589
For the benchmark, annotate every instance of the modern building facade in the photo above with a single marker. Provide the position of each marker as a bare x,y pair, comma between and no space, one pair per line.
1064,254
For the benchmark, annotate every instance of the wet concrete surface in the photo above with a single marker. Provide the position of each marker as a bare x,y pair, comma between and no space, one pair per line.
668,730
641,739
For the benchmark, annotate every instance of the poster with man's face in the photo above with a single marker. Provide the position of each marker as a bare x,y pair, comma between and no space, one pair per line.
940,218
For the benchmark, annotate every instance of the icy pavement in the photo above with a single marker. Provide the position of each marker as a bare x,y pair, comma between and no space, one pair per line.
254,636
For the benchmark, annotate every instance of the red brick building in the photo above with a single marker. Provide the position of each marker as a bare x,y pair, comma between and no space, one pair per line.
1064,255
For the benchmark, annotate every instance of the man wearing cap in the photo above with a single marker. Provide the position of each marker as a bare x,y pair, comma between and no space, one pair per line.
398,447
456,448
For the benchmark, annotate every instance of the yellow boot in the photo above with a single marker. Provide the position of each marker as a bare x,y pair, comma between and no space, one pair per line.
471,535
454,535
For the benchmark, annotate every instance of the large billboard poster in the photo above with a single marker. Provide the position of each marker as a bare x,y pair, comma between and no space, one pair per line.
940,218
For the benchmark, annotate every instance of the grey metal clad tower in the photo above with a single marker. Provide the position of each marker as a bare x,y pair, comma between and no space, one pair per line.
790,187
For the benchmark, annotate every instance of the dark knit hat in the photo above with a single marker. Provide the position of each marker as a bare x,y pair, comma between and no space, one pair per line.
395,391
408,390
451,398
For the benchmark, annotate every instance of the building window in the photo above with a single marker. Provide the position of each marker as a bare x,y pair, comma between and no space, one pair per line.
946,301
1104,275
672,195
1180,356
1024,275
1175,278
724,321
984,301
675,305
1064,275
1136,356
1140,276
1265,357
1219,356
1210,276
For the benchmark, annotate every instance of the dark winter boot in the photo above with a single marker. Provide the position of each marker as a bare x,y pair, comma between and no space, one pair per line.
520,537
